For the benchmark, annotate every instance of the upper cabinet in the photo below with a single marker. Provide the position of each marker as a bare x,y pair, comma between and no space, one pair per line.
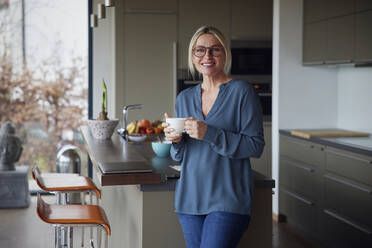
337,31
340,40
315,43
336,8
362,5
314,10
195,13
252,21
363,36
149,6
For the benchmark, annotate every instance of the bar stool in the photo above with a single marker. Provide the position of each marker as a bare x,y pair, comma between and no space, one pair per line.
74,215
61,184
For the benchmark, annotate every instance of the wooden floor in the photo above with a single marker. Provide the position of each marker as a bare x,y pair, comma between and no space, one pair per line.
22,228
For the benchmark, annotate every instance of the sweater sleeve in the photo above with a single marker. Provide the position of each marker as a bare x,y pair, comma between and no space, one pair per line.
177,149
249,142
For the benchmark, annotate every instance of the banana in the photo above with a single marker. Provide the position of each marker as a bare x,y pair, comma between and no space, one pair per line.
131,127
136,129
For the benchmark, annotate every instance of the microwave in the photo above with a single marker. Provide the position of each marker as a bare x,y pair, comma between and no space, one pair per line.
251,60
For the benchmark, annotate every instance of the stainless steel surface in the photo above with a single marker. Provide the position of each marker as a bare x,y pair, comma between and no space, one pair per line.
123,130
68,161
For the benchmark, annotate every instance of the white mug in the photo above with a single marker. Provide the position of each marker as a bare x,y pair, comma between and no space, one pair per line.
178,124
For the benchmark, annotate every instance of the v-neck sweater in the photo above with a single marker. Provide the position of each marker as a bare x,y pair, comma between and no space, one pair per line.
216,171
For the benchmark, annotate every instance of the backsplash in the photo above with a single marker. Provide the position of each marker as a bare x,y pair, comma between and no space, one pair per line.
354,98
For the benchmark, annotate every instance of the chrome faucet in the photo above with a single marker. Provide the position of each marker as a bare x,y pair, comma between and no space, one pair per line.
123,130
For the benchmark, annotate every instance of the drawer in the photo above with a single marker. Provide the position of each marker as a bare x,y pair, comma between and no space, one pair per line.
349,198
301,150
299,211
300,177
340,232
350,165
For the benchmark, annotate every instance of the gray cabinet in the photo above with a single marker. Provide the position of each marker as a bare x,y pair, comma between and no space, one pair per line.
149,6
252,21
314,44
361,5
326,192
148,63
339,7
337,32
314,10
363,36
300,172
340,40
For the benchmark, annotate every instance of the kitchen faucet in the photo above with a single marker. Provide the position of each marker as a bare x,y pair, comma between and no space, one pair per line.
123,132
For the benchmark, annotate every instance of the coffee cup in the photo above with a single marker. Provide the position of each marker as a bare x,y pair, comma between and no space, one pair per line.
177,124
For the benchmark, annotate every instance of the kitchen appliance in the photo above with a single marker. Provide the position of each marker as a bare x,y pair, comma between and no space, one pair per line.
251,58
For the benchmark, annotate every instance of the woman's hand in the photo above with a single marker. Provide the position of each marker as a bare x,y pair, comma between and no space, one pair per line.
169,132
195,128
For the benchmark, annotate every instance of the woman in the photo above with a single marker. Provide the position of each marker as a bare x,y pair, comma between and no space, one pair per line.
213,196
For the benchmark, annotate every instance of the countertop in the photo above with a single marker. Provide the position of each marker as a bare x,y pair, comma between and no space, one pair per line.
360,145
162,178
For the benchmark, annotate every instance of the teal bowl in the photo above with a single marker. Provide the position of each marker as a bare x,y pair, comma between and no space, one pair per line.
161,149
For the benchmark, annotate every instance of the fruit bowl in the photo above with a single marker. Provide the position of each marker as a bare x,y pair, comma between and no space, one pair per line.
136,137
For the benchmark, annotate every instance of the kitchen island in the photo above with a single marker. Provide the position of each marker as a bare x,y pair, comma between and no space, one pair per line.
139,205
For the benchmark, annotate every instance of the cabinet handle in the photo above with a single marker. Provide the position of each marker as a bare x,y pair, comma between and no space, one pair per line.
342,181
302,144
310,203
299,166
349,222
313,63
149,11
350,156
341,61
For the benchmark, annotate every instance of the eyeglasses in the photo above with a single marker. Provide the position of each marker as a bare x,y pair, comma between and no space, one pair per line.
200,51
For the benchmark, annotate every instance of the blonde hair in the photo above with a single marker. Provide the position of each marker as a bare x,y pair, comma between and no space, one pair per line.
220,37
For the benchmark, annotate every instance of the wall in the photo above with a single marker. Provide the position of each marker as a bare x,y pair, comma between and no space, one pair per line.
303,97
355,98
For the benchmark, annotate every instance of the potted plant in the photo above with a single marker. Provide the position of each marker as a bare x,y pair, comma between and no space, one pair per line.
103,127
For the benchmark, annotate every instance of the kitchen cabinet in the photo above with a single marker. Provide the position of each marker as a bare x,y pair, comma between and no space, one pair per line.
363,36
348,199
253,21
314,44
361,5
326,192
340,35
192,15
148,64
314,10
300,172
264,163
149,6
336,8
340,40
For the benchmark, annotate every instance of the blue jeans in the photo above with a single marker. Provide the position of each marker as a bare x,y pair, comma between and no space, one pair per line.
214,230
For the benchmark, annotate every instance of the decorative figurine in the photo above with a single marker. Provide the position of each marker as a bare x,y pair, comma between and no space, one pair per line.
10,147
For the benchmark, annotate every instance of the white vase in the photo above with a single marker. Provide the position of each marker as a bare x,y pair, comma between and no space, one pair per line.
102,129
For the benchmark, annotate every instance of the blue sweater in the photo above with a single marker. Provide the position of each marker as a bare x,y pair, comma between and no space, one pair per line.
216,171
